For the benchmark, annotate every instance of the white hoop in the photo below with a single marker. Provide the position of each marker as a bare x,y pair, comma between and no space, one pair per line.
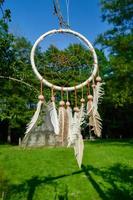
89,45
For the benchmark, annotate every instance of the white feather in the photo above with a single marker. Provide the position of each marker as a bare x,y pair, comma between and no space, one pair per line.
98,94
74,129
54,117
76,138
34,119
45,126
95,122
70,121
82,114
94,117
32,123
79,149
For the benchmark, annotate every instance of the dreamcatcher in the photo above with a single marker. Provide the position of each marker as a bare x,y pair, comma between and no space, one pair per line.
64,116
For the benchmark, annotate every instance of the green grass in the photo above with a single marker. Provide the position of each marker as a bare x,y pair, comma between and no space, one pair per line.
53,174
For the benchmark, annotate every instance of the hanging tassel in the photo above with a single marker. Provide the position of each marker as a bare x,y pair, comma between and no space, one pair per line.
82,110
53,114
67,123
61,120
70,121
90,109
90,98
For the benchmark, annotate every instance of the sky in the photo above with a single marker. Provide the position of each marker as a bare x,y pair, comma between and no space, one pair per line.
32,18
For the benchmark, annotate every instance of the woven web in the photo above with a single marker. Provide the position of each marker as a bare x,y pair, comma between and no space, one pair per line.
64,60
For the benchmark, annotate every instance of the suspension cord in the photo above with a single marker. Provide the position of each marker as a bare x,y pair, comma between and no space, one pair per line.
62,94
41,87
82,92
88,88
76,97
52,91
57,12
67,95
68,18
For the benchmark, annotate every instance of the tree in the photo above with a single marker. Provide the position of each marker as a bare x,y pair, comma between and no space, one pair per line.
118,41
16,97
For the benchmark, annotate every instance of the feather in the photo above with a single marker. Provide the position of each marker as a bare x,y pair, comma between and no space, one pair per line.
94,117
45,117
74,129
34,119
95,122
76,138
38,135
32,123
79,149
54,117
61,122
70,121
98,93
82,114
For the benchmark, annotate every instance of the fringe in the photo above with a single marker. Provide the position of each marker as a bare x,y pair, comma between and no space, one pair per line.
70,121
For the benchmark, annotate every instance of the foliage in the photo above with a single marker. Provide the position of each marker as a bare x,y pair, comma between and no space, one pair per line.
53,173
119,42
16,98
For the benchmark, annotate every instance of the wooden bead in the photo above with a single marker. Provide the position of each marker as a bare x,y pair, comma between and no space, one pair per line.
93,86
62,103
52,98
76,109
67,103
98,79
41,97
82,100
90,97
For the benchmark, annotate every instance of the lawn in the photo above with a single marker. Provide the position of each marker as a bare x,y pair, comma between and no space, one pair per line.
53,174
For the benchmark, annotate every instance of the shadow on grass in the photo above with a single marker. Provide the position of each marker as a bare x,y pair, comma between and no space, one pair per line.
119,179
110,183
36,181
29,187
